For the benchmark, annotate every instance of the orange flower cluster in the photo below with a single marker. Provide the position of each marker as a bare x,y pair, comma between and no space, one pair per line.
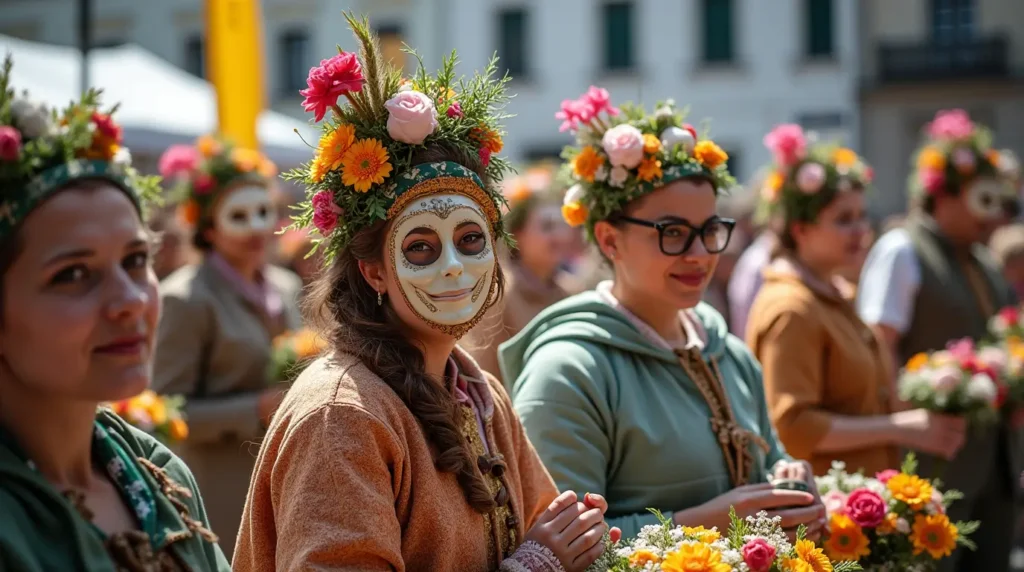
155,414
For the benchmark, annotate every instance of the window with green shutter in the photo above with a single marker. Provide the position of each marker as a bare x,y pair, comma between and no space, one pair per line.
718,31
820,28
618,36
512,41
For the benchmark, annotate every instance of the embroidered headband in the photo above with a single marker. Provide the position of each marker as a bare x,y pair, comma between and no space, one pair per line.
204,172
364,168
43,151
623,154
805,176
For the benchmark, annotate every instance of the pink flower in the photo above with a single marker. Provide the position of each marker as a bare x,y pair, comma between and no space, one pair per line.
869,174
411,117
573,113
599,100
178,160
951,124
330,80
961,349
810,178
935,505
884,476
964,161
834,501
932,181
454,110
485,156
203,183
945,380
10,143
866,508
325,212
758,555
624,145
787,144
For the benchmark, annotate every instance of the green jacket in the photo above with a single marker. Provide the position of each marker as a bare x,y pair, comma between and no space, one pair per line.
41,531
612,413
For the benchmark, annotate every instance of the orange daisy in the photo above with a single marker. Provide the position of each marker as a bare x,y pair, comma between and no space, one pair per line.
651,144
365,164
649,170
331,150
912,490
208,146
586,163
846,540
574,214
931,158
916,362
934,534
695,558
709,154
809,558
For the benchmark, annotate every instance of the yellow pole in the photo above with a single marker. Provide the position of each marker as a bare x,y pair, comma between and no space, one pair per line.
234,60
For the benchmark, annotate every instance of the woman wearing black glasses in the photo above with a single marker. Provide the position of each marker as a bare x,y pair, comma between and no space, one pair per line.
636,390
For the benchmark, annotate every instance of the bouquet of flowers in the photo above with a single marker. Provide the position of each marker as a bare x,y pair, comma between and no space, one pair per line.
158,415
894,521
959,380
754,544
290,351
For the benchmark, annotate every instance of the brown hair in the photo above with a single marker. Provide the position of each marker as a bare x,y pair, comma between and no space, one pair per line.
342,306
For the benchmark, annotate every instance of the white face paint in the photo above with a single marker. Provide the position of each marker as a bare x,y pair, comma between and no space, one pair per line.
985,198
246,211
443,258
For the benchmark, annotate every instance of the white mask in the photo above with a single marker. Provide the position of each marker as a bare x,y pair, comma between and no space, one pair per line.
443,258
985,198
246,211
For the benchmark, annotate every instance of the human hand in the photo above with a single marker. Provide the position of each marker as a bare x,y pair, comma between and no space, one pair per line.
599,502
570,530
930,432
795,508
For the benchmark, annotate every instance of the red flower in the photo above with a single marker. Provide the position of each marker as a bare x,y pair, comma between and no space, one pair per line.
485,156
10,143
330,80
691,129
106,128
758,555
454,110
1010,314
866,508
204,183
884,476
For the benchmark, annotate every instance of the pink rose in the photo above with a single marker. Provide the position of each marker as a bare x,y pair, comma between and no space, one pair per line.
834,501
599,101
178,160
325,212
810,178
787,144
574,112
10,143
961,349
951,124
866,508
758,555
411,117
330,80
884,476
932,180
454,110
624,145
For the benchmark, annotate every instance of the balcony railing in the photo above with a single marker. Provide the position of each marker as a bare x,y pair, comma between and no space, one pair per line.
929,61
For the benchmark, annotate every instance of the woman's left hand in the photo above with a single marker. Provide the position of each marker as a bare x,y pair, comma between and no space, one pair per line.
599,502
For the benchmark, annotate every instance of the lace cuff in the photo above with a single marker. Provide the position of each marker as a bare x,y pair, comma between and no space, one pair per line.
532,557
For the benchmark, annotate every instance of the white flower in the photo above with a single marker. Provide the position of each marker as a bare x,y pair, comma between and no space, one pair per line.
122,157
32,119
673,136
1008,164
902,526
981,387
663,113
573,195
601,175
617,178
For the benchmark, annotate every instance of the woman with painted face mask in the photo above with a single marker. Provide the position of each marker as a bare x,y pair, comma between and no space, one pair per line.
827,376
221,315
542,239
396,451
80,489
637,390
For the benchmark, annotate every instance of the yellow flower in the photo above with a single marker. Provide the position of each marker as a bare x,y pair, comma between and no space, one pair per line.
308,344
809,558
910,489
586,163
208,146
575,214
933,533
702,534
178,429
844,157
649,170
916,362
695,558
365,164
931,158
993,157
245,160
642,557
846,540
153,405
331,150
651,144
709,154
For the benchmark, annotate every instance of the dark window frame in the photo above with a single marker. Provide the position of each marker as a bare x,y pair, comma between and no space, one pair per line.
294,68
820,40
619,58
718,47
513,52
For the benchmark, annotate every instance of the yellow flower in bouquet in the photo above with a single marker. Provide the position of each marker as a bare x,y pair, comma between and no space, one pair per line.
934,534
290,351
158,415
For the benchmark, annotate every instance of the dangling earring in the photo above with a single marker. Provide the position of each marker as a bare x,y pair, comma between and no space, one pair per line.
380,298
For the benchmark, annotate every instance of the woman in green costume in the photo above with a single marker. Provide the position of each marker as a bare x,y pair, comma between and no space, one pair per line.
637,391
79,488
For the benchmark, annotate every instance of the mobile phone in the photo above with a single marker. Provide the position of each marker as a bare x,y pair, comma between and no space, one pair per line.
792,485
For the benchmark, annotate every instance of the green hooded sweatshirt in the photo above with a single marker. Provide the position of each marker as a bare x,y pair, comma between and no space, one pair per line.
612,412
41,531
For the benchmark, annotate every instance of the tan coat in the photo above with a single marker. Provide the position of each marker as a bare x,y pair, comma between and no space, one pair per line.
525,297
819,360
346,481
213,347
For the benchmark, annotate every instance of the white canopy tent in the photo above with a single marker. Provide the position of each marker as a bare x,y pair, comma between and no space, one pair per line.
160,104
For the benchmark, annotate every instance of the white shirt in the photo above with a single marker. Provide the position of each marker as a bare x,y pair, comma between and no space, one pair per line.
889,282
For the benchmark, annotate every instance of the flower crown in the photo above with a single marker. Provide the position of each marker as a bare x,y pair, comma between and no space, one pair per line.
806,176
363,171
624,154
42,150
535,180
955,152
202,172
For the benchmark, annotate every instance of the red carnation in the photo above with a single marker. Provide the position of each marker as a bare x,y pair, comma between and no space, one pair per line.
10,143
332,79
106,128
866,508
